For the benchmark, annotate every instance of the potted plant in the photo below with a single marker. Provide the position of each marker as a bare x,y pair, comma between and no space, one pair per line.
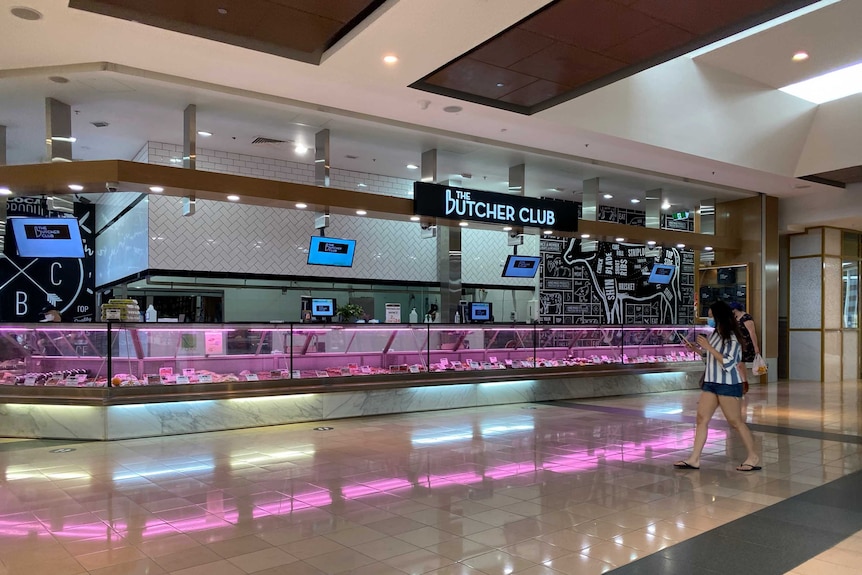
349,312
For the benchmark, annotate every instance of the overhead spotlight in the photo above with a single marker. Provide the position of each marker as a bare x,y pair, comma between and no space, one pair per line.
361,212
301,206
620,239
157,189
800,56
507,229
300,149
548,232
204,133
361,185
390,59
76,187
463,224
651,243
585,236
707,248
608,196
665,205
412,167
680,246
415,218
635,201
5,192
233,198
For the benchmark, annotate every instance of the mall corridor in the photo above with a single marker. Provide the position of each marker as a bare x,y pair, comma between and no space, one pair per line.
573,487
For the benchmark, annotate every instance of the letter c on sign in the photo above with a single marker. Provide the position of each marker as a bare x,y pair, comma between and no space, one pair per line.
54,266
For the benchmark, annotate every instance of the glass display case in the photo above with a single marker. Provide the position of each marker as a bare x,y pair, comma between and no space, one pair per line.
170,354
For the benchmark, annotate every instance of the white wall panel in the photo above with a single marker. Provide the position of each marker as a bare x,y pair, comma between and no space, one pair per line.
805,293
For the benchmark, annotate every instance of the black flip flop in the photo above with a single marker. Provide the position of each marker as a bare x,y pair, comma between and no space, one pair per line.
684,465
746,467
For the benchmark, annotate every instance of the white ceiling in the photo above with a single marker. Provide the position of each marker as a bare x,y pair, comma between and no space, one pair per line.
153,74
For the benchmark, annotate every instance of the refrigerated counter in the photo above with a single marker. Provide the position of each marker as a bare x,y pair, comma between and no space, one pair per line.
119,380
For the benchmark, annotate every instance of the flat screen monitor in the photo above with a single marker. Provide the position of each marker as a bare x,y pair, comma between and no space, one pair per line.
331,252
661,273
521,267
322,307
480,312
47,237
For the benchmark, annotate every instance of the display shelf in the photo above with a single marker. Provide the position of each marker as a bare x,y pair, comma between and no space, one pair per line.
724,283
170,354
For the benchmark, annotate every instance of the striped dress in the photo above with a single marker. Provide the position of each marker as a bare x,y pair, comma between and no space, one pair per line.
723,372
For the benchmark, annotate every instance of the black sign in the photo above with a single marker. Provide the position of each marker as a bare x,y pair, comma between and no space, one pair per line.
27,206
27,285
475,205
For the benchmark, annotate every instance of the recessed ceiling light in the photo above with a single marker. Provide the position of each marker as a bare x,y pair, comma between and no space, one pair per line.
414,218
76,187
361,212
680,246
157,189
651,243
26,13
301,206
507,229
452,109
412,167
233,198
222,11
70,139
463,224
204,133
5,192
300,149
390,59
635,201
585,236
608,196
800,56
548,232
500,84
707,248
621,239
665,205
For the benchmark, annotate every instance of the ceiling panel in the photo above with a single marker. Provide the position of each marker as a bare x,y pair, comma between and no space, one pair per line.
297,29
572,47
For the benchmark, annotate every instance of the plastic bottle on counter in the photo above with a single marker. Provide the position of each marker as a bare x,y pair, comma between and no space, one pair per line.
427,318
414,317
457,317
152,315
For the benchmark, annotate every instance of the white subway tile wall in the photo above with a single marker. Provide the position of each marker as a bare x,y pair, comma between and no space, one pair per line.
122,248
484,252
109,205
239,238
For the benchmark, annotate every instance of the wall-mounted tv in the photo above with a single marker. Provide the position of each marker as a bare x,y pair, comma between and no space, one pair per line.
322,307
661,273
521,267
47,237
324,251
480,312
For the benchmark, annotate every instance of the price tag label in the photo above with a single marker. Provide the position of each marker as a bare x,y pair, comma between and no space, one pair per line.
113,314
414,369
444,362
72,381
205,378
321,374
365,370
29,381
154,380
493,359
295,374
188,371
251,377
182,379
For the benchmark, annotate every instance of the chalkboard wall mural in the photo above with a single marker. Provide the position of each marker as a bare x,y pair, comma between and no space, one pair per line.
599,283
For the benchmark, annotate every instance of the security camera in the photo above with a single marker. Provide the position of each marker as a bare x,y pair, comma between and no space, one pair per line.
112,186
426,225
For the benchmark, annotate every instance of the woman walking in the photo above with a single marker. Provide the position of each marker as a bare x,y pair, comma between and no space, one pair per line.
722,386
750,347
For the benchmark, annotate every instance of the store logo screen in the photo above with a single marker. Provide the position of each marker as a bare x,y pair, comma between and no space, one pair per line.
47,237
331,252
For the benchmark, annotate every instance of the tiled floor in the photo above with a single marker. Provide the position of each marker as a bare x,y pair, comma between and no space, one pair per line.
573,487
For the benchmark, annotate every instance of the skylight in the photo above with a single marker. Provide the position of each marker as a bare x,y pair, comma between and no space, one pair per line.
830,86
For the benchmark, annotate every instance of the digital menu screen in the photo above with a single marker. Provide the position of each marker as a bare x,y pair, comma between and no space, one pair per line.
47,237
324,251
521,267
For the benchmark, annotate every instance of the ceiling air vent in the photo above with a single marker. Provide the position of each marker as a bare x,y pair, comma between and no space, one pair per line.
263,141
100,124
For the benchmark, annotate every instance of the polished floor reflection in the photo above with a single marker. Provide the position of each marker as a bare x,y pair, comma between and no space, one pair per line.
570,487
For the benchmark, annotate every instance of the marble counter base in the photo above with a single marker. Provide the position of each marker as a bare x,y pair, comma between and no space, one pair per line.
172,418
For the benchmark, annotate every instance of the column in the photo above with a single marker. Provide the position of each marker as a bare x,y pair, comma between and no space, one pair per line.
58,131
